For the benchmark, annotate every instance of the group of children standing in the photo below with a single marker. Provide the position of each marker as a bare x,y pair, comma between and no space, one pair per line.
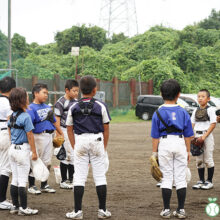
172,130
26,133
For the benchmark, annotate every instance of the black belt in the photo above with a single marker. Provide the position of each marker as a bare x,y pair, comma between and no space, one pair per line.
200,132
48,131
3,129
180,136
89,133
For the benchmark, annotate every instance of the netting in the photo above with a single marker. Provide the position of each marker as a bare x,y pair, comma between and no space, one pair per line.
107,87
124,94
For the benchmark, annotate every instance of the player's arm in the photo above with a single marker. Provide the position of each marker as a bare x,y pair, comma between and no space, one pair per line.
30,137
209,131
106,134
58,129
193,125
187,142
155,143
70,133
58,122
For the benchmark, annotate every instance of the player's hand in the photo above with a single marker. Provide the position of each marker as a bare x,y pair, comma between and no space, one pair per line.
188,157
203,137
34,156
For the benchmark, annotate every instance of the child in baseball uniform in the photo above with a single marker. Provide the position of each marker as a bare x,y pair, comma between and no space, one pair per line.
171,134
88,132
6,85
22,144
203,128
61,109
44,125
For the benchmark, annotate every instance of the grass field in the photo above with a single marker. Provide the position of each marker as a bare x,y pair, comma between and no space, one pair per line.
124,115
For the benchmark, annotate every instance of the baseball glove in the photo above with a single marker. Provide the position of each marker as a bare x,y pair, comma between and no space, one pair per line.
155,170
58,141
217,112
196,147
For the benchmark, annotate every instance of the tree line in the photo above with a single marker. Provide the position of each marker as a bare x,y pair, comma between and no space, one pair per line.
192,55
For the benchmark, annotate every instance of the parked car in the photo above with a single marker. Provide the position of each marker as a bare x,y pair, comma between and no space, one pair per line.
148,104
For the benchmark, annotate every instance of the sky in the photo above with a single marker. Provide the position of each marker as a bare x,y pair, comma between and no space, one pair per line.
39,20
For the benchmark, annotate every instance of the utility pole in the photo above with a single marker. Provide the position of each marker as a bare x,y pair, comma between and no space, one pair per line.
9,34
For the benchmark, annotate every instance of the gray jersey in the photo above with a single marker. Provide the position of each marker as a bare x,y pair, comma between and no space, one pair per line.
61,109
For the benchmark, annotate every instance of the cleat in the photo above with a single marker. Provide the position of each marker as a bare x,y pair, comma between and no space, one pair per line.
34,190
179,214
165,213
104,214
47,189
27,211
75,215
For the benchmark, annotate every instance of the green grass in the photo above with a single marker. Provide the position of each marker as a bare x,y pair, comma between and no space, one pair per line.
124,115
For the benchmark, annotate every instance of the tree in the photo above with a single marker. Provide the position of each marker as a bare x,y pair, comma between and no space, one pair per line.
212,22
19,46
3,47
94,37
118,37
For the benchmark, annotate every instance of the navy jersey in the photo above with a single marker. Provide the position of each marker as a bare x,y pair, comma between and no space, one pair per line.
172,115
92,123
61,109
38,113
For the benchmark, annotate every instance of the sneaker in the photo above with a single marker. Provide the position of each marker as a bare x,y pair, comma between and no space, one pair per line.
165,213
74,215
14,210
104,214
27,211
48,189
6,205
34,190
65,185
207,185
180,214
198,185
158,184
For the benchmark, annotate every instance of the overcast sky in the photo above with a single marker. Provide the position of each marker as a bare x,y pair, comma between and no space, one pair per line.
39,20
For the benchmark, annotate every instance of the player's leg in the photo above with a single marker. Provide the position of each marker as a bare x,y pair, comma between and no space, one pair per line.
81,163
23,170
165,157
47,146
97,159
14,187
180,166
5,171
209,162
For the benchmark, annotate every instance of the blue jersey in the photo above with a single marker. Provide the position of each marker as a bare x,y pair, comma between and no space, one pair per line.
19,136
92,123
38,113
172,115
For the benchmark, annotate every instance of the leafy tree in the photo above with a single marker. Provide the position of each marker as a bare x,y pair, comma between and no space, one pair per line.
3,47
118,37
19,46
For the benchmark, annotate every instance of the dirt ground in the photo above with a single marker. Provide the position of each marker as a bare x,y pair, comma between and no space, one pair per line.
132,192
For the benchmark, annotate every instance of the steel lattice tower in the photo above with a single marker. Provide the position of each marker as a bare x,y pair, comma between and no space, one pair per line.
119,16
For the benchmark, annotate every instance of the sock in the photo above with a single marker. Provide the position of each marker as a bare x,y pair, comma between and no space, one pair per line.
181,196
70,172
102,192
31,181
23,197
63,171
166,194
210,173
78,195
43,184
14,195
201,172
3,187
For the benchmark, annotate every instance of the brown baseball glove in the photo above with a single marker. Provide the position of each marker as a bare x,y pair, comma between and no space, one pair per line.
196,147
155,170
58,141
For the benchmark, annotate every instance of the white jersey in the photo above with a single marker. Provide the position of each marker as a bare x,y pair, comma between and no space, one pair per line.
5,111
204,125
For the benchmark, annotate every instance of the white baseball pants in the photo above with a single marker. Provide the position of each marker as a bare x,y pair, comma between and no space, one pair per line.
89,148
68,148
206,159
5,168
172,156
20,164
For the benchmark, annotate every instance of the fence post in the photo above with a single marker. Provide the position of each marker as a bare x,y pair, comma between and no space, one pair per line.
150,87
115,92
98,84
56,86
34,80
133,91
